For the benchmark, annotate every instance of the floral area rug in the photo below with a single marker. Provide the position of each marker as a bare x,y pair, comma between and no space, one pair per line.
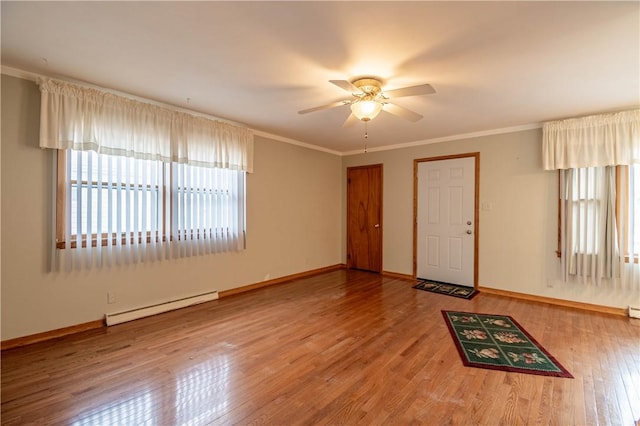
498,342
454,290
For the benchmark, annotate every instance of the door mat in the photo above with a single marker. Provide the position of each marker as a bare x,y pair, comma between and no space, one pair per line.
454,290
498,342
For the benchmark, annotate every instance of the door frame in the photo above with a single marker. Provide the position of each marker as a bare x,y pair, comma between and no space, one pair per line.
381,207
476,208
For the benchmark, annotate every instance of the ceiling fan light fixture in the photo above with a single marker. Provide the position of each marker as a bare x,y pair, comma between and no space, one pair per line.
366,110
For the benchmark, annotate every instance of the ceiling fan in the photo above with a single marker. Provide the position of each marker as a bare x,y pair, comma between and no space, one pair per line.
368,99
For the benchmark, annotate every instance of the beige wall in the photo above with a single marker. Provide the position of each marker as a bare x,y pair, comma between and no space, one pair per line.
296,223
518,236
294,210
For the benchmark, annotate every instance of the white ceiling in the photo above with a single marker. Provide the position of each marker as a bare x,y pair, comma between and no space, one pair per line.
494,65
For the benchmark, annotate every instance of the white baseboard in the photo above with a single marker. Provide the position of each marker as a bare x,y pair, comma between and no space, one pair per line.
124,316
634,312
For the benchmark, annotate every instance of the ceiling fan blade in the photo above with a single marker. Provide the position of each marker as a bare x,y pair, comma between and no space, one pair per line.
422,89
350,121
321,107
402,112
345,85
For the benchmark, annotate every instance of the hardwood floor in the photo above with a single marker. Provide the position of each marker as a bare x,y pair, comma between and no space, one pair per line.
344,347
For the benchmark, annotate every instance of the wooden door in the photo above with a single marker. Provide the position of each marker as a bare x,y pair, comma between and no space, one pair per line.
446,220
364,217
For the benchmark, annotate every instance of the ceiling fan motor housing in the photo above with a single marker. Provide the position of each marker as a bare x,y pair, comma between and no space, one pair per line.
369,86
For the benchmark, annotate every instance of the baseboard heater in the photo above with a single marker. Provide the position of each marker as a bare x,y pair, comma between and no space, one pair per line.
133,314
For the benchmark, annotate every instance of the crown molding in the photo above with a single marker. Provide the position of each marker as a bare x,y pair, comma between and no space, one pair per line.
296,142
450,138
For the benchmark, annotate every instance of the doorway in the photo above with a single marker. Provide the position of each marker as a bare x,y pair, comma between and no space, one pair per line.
446,219
364,217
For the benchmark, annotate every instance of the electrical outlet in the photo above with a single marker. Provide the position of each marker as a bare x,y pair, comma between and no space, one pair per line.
549,283
111,297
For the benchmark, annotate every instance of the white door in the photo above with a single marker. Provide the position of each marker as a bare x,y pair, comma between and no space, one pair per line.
446,220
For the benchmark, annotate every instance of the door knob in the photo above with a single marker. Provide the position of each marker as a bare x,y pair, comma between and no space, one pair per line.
469,231
468,222
377,225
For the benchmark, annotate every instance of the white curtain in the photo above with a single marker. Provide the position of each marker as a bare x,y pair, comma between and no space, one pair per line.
81,118
202,142
208,213
116,221
599,161
593,141
629,217
589,246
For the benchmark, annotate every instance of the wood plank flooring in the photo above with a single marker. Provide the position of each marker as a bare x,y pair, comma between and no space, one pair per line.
344,347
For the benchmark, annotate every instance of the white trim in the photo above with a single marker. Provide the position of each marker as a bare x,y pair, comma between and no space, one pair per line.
296,142
457,137
14,72
449,138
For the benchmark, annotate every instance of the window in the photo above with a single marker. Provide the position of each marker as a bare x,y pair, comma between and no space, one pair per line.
108,196
207,204
112,201
599,226
586,199
140,182
597,157
586,196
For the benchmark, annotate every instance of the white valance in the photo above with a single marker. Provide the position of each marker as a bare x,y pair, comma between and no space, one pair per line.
81,118
593,141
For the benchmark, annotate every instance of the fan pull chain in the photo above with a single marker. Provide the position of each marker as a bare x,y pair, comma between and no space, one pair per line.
366,136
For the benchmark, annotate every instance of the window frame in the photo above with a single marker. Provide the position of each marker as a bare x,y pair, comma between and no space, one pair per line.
61,207
165,232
